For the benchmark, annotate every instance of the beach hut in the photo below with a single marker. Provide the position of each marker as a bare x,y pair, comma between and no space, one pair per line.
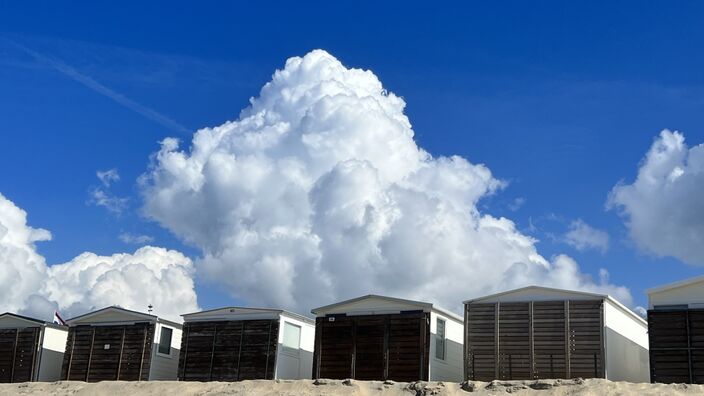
539,332
378,338
117,344
238,343
676,330
30,349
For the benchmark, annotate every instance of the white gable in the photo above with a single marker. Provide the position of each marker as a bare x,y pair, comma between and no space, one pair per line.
111,315
233,313
372,305
689,292
12,322
536,293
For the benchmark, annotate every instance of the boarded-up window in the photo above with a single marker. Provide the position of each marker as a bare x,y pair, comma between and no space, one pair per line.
440,339
165,341
292,336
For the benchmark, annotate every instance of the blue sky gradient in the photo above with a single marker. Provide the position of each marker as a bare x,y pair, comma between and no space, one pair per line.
560,99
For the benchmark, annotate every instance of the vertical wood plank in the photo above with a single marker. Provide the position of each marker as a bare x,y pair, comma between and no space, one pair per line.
144,347
354,347
689,348
465,347
239,352
497,373
185,350
531,352
568,340
70,359
122,348
14,356
268,346
212,352
90,354
387,329
602,373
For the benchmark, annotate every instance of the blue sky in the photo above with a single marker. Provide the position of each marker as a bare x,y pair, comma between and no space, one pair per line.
560,99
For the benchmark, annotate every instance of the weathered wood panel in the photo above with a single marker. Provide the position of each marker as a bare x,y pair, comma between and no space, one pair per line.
676,346
373,347
108,353
18,349
534,340
228,350
481,342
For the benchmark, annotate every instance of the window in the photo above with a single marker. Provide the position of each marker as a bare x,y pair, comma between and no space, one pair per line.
165,341
440,339
292,336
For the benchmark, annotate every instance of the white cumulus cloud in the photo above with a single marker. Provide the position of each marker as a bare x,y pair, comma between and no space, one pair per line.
318,191
582,236
29,286
663,208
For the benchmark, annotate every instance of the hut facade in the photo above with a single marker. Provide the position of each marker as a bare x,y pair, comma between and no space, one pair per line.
237,343
538,332
378,338
676,330
116,344
30,349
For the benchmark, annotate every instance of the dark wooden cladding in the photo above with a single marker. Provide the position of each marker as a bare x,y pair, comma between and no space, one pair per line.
534,340
108,353
18,348
676,346
228,350
373,347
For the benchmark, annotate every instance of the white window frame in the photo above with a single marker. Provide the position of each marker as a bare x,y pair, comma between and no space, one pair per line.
438,320
168,355
300,335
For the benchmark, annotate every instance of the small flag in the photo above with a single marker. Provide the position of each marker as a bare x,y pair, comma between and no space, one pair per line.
58,319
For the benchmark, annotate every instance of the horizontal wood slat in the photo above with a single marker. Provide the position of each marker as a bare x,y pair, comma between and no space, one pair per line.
676,346
229,350
567,340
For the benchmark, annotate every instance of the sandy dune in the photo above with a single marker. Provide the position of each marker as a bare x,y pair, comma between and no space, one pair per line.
348,387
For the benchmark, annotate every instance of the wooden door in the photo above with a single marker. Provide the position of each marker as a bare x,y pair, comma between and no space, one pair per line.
514,341
409,347
17,354
335,347
586,339
369,347
549,339
481,342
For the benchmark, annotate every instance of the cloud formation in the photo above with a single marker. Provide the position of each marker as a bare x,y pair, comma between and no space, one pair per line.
582,236
135,239
318,192
663,208
29,286
108,176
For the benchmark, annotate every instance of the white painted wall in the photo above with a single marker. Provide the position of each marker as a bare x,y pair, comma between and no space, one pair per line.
295,364
52,354
692,295
450,369
165,367
626,343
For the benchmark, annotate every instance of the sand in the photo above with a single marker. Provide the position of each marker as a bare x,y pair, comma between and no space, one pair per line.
350,387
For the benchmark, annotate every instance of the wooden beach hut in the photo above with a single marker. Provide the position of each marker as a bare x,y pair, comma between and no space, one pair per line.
30,349
117,344
378,338
239,343
676,332
539,332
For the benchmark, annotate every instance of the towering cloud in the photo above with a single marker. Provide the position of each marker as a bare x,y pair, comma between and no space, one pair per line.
318,192
27,285
664,207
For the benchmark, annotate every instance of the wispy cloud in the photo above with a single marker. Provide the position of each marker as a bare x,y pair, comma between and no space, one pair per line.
582,236
94,85
135,239
115,205
108,176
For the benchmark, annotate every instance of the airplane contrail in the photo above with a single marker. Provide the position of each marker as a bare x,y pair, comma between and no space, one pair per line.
89,82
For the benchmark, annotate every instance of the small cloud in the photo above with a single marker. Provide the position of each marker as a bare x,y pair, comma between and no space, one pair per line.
108,176
641,311
113,204
582,237
516,204
134,239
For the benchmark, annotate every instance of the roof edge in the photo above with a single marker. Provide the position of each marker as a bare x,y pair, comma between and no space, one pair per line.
367,296
674,285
